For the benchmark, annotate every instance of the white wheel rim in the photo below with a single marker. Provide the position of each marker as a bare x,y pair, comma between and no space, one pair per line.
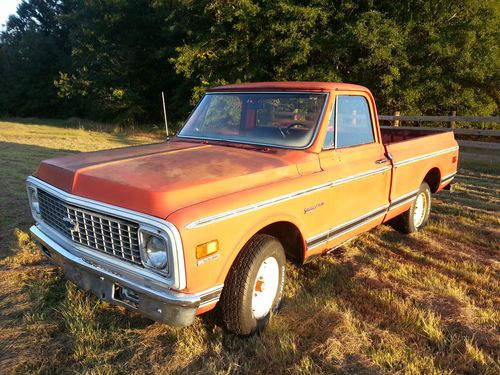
265,287
420,209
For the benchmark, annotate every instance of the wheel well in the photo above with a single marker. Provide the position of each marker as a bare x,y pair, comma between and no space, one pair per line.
290,237
433,179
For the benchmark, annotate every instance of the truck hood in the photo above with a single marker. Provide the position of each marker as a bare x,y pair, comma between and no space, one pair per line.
161,178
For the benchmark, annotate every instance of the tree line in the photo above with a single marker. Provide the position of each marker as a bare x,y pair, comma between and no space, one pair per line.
109,60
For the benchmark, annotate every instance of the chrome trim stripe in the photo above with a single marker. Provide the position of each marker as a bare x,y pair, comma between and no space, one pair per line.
426,156
449,177
316,242
343,229
403,199
371,213
359,225
210,296
209,291
177,257
210,301
259,205
403,202
355,223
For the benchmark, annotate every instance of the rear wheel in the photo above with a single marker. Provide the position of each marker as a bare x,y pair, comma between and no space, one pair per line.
254,286
418,215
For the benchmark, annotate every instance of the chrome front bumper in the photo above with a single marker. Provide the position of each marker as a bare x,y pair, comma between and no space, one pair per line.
162,305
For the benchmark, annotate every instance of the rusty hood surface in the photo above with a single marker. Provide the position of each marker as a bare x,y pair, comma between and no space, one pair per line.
161,178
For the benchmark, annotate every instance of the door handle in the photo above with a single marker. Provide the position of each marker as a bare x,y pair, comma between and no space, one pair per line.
381,161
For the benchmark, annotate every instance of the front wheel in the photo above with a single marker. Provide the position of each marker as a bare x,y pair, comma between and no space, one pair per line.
418,215
254,286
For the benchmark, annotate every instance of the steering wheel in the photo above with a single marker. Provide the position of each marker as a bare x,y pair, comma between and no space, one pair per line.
294,124
287,129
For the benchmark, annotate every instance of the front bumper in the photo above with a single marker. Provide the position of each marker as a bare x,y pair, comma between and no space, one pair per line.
162,305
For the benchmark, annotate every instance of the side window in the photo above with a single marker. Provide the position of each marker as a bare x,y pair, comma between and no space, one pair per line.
354,125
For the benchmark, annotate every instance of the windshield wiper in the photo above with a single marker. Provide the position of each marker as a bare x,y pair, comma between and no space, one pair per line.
227,144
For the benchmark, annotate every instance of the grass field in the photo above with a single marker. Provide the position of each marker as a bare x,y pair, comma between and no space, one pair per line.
385,303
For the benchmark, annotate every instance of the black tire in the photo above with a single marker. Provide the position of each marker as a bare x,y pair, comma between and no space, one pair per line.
236,298
406,222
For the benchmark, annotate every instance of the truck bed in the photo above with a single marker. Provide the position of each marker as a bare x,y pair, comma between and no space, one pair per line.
393,134
414,153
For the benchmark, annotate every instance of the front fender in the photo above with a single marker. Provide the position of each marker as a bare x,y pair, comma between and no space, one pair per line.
257,226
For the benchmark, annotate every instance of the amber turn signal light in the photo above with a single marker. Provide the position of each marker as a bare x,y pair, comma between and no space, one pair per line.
207,248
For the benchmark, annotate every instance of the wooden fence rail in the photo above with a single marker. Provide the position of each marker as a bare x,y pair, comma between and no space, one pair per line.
451,120
478,132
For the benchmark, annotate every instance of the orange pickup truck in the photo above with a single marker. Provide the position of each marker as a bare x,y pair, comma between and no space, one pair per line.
261,173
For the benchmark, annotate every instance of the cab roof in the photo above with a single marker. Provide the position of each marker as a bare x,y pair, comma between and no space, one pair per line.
290,86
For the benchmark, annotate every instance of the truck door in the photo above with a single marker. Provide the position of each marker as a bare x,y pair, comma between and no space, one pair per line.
353,159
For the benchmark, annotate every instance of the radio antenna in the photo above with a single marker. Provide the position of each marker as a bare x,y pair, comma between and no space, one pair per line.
164,111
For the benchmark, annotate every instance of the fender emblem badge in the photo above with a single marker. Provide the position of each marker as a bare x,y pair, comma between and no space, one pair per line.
312,208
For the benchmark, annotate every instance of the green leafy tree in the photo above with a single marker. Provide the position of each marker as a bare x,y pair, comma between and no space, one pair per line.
33,49
453,56
110,59
120,52
418,57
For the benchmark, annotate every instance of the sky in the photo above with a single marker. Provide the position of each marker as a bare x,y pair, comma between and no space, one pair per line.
7,7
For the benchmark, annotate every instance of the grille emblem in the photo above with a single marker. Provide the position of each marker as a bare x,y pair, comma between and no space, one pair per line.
70,224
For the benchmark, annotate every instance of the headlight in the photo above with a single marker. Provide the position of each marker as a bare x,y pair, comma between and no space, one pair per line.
154,251
34,203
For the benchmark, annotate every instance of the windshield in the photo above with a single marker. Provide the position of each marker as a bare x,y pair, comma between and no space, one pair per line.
270,119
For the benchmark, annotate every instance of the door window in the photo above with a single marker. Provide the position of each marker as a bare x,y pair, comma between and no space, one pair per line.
353,121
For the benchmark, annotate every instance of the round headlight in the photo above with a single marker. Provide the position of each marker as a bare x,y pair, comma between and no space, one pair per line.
156,250
35,205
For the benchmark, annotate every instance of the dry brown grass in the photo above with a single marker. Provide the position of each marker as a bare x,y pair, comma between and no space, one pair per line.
385,303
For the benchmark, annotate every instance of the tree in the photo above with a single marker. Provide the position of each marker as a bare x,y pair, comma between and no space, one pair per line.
419,56
34,49
120,52
110,59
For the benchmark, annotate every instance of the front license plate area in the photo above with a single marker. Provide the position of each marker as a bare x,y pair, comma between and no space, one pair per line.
98,286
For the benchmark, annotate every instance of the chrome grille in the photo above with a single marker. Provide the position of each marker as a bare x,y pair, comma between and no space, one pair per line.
107,234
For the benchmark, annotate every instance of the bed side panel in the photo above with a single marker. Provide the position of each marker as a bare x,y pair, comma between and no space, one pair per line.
414,158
